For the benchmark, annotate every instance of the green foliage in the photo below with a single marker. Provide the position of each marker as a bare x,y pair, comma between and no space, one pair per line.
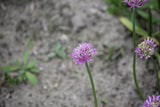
105,101
151,4
51,55
113,53
29,43
36,70
76,72
32,78
23,71
32,64
70,36
122,51
58,50
128,24
109,55
25,58
158,56
9,68
117,7
145,16
121,9
156,34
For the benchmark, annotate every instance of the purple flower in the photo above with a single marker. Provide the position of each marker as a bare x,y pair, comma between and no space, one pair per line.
83,53
134,3
153,101
146,48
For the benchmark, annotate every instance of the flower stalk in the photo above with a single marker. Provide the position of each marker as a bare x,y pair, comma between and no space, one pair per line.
155,67
149,22
134,57
82,55
92,84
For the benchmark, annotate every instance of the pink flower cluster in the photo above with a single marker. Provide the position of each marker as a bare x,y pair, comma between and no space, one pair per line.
83,53
146,48
134,3
152,101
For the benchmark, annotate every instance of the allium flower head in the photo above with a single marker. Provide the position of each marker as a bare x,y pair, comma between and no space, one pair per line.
152,101
83,53
146,48
134,3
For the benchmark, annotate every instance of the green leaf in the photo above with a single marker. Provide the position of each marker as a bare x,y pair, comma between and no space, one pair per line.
58,50
29,43
21,72
151,4
20,78
158,56
14,81
51,55
6,76
111,48
128,24
107,56
70,36
10,79
76,72
62,53
32,64
57,47
17,62
111,9
9,68
103,99
156,34
35,70
32,78
145,16
107,1
25,58
114,10
122,51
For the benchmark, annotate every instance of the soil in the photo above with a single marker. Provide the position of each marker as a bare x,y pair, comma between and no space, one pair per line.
70,22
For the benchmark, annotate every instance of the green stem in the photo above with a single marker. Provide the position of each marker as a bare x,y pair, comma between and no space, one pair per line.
155,34
92,83
158,3
149,22
134,57
159,8
156,74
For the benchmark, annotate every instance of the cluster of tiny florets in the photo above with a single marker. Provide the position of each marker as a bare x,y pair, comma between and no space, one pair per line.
152,101
146,48
135,3
83,53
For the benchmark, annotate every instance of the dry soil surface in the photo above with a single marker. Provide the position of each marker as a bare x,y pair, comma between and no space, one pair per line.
47,22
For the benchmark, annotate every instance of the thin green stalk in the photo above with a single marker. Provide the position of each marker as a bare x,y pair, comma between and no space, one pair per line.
92,83
149,22
156,74
159,7
134,57
155,34
158,3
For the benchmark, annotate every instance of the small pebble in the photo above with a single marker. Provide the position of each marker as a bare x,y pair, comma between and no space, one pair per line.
44,87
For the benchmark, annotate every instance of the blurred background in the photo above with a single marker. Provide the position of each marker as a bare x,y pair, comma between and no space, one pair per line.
50,30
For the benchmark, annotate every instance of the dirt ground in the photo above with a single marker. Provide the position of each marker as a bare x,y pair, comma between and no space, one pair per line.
47,22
